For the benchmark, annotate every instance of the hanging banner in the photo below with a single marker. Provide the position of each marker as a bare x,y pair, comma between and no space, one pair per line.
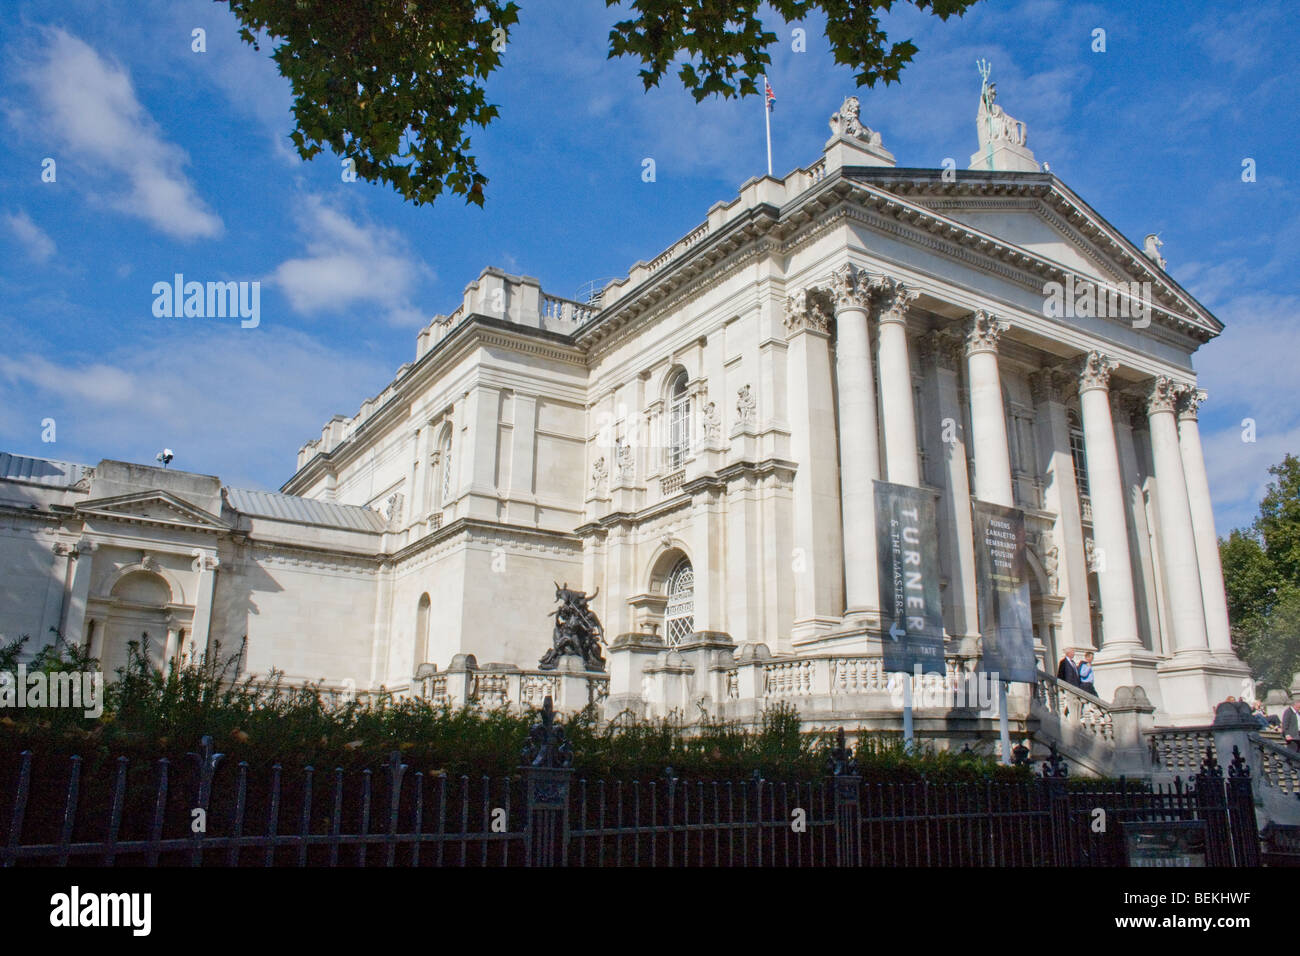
907,549
1002,577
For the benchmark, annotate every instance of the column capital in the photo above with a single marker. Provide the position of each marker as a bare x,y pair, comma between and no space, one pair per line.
983,329
1164,396
849,288
808,310
892,298
1094,371
1126,407
1190,402
1050,385
943,347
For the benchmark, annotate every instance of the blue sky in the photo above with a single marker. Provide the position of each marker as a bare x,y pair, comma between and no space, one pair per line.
174,161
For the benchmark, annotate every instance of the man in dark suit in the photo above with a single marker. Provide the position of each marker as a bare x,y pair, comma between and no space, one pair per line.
1291,725
1068,671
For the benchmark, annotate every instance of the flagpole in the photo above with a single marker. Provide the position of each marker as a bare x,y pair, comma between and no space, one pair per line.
767,122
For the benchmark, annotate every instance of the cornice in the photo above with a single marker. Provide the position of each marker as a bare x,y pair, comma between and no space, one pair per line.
478,530
1087,227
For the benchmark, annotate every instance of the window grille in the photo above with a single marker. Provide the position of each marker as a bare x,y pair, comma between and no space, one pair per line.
679,615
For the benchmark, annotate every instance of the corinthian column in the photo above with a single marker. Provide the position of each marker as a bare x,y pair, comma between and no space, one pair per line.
987,414
818,550
1177,540
899,413
1109,529
1207,542
859,450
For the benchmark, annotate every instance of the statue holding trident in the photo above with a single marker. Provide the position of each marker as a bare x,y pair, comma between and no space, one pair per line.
995,125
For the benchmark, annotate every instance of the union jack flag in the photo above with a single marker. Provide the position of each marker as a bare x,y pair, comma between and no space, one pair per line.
769,95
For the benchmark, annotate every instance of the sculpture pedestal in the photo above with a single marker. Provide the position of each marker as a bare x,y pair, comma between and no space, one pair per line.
1005,156
576,690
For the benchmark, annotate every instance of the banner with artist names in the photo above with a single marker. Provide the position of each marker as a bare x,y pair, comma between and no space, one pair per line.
1001,573
907,548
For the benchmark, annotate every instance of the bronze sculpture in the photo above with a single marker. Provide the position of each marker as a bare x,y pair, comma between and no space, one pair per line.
577,631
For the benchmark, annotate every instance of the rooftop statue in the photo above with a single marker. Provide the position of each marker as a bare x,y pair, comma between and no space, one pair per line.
995,124
1151,248
847,123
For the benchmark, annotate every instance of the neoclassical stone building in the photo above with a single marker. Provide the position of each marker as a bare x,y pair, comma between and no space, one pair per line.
698,446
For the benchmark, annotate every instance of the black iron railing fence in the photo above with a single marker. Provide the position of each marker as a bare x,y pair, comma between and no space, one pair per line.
205,812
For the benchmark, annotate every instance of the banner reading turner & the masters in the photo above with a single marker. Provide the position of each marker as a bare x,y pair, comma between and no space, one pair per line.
910,609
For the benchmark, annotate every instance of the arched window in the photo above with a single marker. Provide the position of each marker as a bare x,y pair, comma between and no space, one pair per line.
1078,451
444,459
679,423
422,632
679,614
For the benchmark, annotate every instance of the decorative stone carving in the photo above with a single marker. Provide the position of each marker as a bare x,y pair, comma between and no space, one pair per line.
745,405
850,288
599,473
983,329
150,563
712,422
1151,249
1095,371
393,508
204,561
1190,402
1052,568
808,309
1093,558
625,462
848,122
1164,395
892,297
83,483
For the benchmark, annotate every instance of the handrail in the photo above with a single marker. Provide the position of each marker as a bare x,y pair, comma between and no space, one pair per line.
1068,701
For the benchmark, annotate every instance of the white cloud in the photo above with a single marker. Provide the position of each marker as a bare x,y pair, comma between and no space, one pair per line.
89,107
232,402
1249,372
37,244
1238,470
350,264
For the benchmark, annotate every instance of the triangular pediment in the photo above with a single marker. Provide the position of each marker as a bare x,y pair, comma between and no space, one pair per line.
1033,221
153,507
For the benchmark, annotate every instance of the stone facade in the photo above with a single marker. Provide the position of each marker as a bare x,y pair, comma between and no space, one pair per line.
698,446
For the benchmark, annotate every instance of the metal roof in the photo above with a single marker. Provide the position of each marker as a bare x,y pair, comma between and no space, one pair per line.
328,514
40,471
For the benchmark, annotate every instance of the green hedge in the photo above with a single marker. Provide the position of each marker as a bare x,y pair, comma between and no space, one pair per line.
149,714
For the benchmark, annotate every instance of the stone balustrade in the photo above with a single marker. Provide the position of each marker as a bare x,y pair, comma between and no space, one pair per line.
671,484
1278,766
851,675
1070,704
1180,751
558,313
501,685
